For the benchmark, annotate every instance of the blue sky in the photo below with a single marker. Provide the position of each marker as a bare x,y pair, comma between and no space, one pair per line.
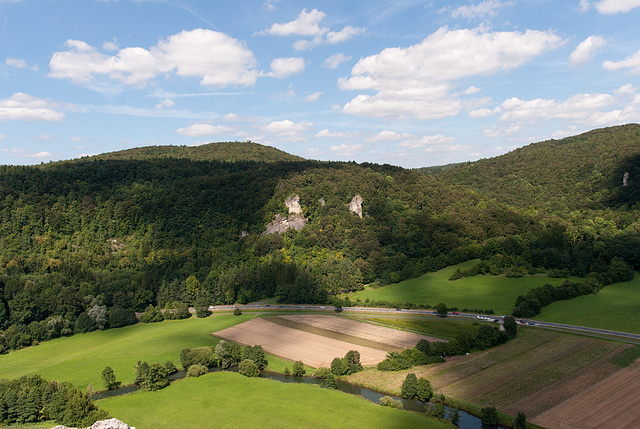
406,82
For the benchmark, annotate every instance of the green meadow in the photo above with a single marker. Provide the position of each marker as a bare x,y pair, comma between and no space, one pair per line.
483,292
615,307
230,400
81,358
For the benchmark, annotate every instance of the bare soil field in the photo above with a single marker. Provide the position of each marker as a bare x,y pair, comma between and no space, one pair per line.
533,373
379,334
294,344
611,403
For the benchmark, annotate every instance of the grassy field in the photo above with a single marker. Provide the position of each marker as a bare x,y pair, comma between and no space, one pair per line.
228,400
616,307
482,292
80,359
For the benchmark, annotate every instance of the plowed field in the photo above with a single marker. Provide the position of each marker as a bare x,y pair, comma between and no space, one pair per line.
367,331
613,403
312,349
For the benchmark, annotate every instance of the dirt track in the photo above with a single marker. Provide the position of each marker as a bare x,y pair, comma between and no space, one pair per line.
314,350
613,403
367,331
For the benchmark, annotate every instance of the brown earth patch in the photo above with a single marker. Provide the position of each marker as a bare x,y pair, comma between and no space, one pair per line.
367,331
608,404
312,349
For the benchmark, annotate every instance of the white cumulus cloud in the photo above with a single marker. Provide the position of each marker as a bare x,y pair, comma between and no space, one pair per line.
632,62
428,141
335,60
586,50
486,8
417,81
346,149
200,130
609,7
285,67
215,58
307,24
24,107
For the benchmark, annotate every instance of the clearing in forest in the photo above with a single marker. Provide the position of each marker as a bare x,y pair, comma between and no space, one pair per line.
312,349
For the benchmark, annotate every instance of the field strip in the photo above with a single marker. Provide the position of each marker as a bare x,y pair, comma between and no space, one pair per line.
294,344
333,334
367,331
611,403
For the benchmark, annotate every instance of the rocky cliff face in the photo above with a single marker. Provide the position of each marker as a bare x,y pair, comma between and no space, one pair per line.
356,205
295,219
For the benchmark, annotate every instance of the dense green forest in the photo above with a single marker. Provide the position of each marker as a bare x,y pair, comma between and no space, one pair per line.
84,243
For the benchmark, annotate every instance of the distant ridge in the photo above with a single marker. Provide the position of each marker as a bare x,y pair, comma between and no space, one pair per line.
583,171
222,151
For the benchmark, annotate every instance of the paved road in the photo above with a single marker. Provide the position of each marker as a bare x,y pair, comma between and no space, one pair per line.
499,319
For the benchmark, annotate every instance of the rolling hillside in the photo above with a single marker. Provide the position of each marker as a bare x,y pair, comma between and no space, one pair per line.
581,172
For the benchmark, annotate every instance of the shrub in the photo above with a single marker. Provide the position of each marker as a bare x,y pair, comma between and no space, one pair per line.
286,372
436,410
424,390
322,373
409,388
248,368
109,378
237,312
489,415
331,381
339,367
520,421
170,367
298,369
394,362
119,317
200,355
256,354
387,401
229,353
151,314
196,370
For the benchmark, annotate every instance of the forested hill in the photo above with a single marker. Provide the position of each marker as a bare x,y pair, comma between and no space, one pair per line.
222,151
84,242
586,171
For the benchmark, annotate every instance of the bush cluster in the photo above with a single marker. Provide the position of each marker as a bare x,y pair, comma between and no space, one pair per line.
31,399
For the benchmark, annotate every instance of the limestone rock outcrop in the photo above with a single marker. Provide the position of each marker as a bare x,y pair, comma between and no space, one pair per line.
355,205
295,220
103,424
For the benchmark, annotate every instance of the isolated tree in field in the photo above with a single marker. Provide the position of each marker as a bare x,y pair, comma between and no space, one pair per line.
109,378
510,326
520,421
489,415
286,371
298,369
202,301
248,368
441,309
424,389
409,387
